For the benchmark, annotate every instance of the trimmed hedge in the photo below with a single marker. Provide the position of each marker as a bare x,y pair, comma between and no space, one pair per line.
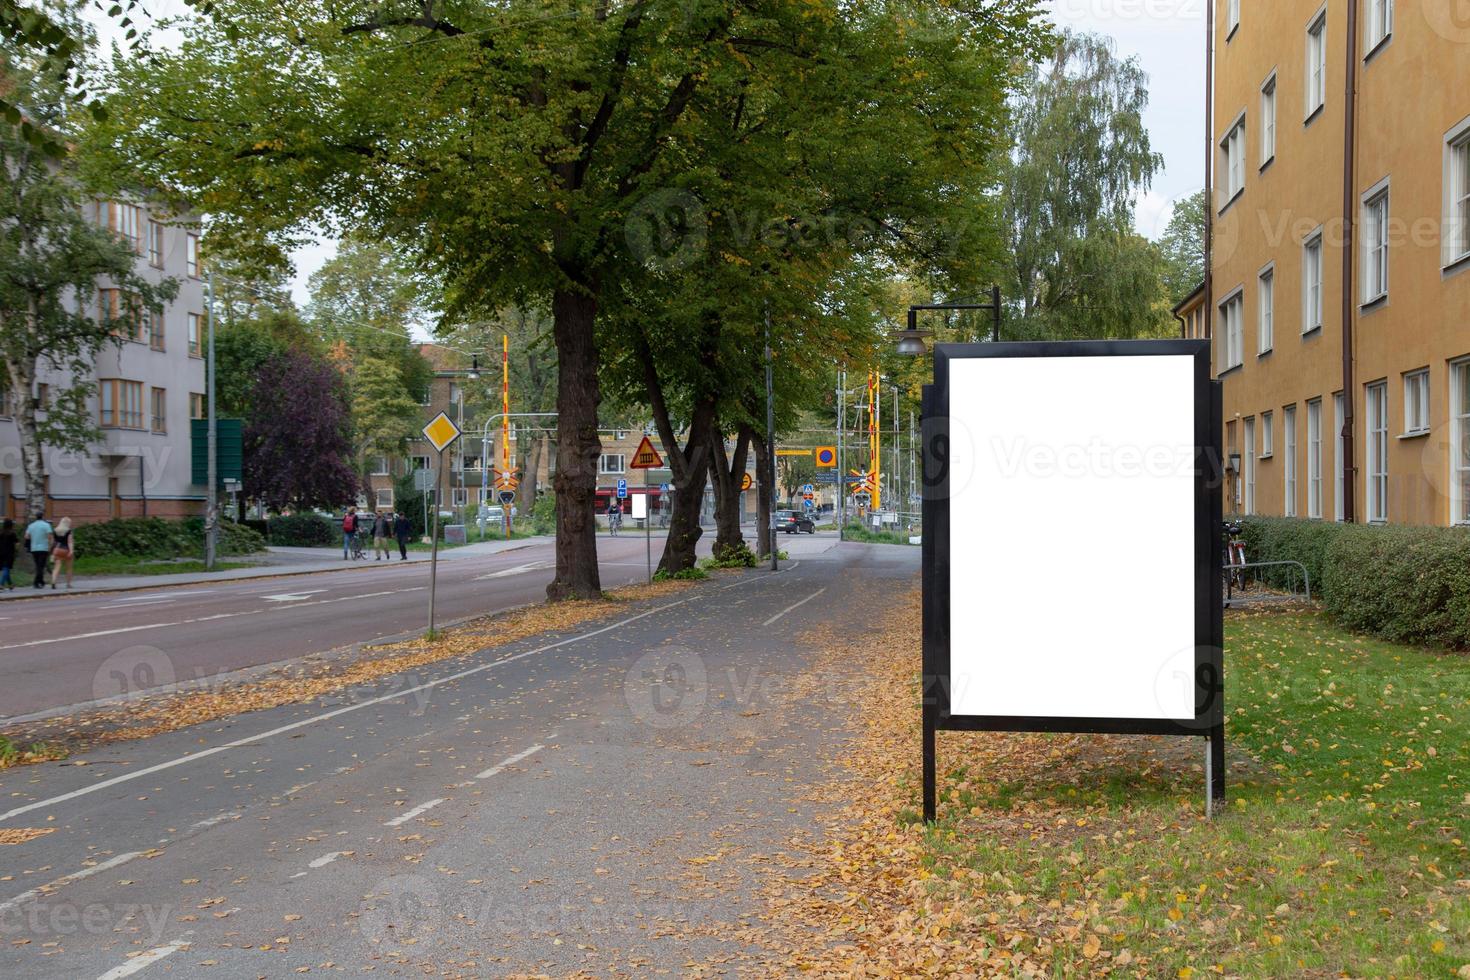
305,531
154,537
1400,583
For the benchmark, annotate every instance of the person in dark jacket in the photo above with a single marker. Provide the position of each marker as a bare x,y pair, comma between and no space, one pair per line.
402,529
9,541
382,531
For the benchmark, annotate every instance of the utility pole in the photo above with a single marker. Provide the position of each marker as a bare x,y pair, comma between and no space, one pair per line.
770,443
211,493
841,473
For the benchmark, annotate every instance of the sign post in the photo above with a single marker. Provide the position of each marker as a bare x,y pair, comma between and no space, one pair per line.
1029,449
646,458
441,433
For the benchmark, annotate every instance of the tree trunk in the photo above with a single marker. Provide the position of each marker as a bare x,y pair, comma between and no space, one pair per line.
32,454
764,481
530,463
725,473
574,314
689,478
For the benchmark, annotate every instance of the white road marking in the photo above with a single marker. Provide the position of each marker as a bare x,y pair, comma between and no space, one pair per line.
143,960
325,859
218,818
793,606
370,702
134,605
95,869
422,808
292,596
517,570
149,596
506,763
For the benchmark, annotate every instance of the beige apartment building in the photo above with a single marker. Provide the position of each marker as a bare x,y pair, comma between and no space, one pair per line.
1341,180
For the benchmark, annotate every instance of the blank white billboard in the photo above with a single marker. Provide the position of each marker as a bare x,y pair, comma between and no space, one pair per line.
1072,536
640,505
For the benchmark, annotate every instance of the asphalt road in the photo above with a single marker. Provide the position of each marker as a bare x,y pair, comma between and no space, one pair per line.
72,650
597,801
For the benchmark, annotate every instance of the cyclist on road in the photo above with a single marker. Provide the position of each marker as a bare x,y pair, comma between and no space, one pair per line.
614,516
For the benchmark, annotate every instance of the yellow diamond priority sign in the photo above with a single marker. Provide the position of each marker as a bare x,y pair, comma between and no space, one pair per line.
441,432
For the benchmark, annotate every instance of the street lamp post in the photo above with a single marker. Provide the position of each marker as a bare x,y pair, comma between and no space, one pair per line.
911,340
211,493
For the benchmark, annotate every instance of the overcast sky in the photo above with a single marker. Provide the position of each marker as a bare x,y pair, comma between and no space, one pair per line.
1167,37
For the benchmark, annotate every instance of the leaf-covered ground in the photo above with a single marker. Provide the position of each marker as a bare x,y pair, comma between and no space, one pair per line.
1342,851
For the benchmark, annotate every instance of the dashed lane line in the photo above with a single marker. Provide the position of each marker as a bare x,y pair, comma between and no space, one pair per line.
794,605
87,872
144,960
417,811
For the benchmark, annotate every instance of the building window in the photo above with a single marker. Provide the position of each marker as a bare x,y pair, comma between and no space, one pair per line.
1460,443
611,463
1232,157
1337,490
155,244
122,312
1457,195
471,462
198,406
1317,63
120,404
1266,315
1378,451
195,331
1375,246
159,407
459,496
155,331
380,466
1288,445
191,256
1312,283
125,220
453,393
1232,328
1380,22
419,462
1268,120
1232,18
383,498
1268,435
1416,402
1314,458
1250,466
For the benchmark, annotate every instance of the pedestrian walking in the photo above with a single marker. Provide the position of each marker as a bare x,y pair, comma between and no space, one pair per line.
614,516
401,530
9,542
38,542
63,552
382,530
349,531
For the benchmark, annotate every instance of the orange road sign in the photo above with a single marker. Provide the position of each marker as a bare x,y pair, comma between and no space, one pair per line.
646,458
745,482
826,456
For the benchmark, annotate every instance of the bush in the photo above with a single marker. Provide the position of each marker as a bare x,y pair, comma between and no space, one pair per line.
857,532
684,575
740,556
305,531
154,537
1404,584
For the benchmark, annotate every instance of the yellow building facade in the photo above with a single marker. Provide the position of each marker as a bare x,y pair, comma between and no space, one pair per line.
1341,222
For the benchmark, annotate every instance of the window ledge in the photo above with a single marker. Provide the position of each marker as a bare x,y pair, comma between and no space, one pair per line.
1415,434
1265,456
1374,304
1263,353
1312,116
1456,265
1314,331
1230,370
1230,35
1379,46
1267,163
1233,198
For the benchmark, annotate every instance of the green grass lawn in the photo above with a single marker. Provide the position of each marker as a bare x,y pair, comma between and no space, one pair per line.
1342,849
123,565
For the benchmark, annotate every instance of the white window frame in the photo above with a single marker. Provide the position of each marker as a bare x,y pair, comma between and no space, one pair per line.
383,498
1232,18
1375,222
414,461
1339,494
1312,291
1250,465
459,496
1315,63
1268,435
1378,24
1268,119
1314,458
1459,452
1288,471
1375,433
380,466
605,469
1416,402
1232,158
1266,309
1232,329
1457,193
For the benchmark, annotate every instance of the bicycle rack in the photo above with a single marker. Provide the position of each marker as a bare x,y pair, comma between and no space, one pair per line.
1230,572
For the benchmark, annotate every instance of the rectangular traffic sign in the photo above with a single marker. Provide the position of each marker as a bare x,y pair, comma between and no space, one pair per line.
622,489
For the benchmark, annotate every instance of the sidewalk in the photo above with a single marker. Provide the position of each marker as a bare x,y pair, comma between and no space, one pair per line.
277,562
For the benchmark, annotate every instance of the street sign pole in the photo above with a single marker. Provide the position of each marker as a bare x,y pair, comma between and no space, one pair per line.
770,444
647,528
645,458
434,547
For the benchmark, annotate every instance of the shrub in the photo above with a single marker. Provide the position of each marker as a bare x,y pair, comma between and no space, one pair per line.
857,532
687,574
1404,584
305,531
543,514
740,556
154,537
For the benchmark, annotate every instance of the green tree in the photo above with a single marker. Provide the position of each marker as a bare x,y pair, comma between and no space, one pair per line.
51,258
1183,248
245,347
1081,155
384,418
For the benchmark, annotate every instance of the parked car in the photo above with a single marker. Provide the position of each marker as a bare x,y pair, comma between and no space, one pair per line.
792,521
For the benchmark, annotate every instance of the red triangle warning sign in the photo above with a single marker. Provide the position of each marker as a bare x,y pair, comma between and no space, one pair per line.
646,458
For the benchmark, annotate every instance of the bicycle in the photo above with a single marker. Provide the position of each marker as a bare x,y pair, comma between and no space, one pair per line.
1234,556
614,523
359,552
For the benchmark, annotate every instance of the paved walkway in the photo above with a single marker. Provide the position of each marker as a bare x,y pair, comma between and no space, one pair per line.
276,562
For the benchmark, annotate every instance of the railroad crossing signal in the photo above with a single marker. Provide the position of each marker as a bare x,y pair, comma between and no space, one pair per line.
826,456
441,432
646,457
507,496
